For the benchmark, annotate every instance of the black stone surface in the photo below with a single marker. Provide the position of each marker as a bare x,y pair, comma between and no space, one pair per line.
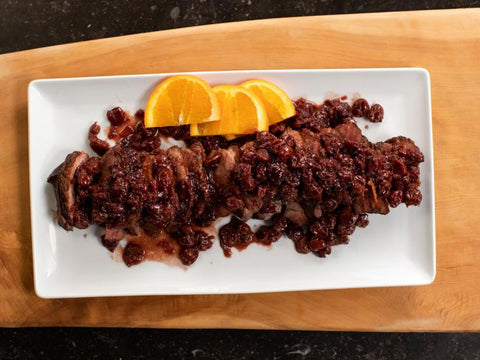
55,343
26,24
34,23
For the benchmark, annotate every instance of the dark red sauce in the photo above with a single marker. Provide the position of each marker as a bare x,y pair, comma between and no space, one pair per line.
313,177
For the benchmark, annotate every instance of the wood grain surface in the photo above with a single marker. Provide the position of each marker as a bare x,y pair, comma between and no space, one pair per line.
446,42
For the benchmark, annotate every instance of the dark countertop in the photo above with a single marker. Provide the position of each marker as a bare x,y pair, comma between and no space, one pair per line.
90,343
30,24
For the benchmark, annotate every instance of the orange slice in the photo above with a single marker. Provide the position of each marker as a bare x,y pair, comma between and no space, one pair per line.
277,103
242,112
180,100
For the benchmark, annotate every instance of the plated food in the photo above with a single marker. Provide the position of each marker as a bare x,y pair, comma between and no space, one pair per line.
312,175
393,250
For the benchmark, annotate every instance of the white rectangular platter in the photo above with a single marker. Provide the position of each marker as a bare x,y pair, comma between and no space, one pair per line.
394,250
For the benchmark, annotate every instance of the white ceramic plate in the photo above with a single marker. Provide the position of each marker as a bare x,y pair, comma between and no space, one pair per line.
397,249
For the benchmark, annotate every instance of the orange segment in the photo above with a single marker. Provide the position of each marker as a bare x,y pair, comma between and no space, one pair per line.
180,100
277,103
242,112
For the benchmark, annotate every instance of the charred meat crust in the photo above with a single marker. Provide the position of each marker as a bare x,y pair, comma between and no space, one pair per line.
62,180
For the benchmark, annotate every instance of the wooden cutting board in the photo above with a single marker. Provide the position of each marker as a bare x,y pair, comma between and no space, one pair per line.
447,43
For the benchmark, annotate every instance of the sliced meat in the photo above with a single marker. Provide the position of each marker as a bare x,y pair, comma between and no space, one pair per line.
175,155
350,131
183,182
295,213
201,190
112,237
253,204
269,210
62,179
228,160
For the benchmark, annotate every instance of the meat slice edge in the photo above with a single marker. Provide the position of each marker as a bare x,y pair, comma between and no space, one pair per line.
62,180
